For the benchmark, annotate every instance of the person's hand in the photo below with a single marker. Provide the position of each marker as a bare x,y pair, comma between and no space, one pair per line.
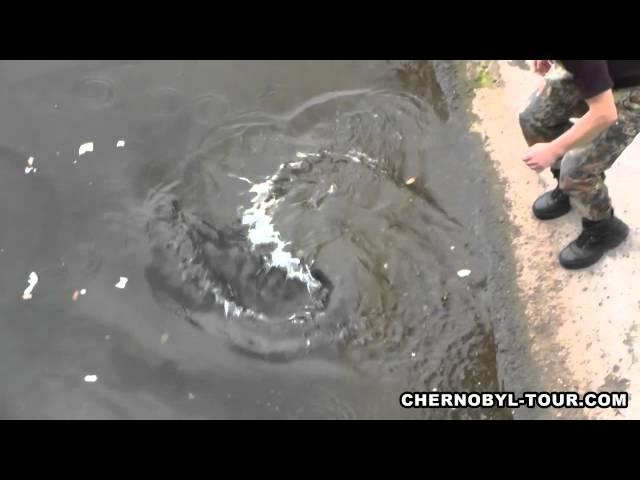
541,67
541,156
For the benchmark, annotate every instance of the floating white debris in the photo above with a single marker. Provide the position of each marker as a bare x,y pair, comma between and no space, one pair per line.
91,378
333,188
191,396
410,180
413,354
84,148
75,296
464,273
453,247
33,280
385,266
83,291
164,338
122,283
120,144
308,342
29,168
107,337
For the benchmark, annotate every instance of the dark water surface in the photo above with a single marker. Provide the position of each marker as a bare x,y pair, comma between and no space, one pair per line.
291,232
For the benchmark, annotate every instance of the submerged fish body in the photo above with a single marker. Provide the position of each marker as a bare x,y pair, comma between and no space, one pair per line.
215,272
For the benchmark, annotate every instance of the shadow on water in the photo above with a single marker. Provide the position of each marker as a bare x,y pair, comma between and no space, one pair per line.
290,233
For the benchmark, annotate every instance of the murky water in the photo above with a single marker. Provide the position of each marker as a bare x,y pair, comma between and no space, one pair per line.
290,234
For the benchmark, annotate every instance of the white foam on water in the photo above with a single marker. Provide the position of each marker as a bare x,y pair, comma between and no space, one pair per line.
244,179
262,232
360,157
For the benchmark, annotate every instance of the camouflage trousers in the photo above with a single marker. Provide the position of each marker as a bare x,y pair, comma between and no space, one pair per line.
581,171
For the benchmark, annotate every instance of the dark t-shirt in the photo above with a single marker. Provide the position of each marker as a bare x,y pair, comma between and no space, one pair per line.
594,77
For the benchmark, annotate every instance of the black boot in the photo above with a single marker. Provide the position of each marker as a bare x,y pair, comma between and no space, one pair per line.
552,204
596,238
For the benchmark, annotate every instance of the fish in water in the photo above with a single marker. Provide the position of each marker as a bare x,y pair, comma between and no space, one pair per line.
204,267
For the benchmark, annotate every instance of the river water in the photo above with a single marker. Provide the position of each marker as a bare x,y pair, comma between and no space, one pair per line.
242,239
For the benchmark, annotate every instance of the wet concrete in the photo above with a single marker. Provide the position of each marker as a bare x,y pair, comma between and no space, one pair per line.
385,191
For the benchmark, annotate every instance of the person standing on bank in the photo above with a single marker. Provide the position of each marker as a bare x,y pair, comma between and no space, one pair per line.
605,96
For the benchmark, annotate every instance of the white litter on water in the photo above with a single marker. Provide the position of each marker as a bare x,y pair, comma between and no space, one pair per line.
84,148
164,338
91,378
33,280
122,283
120,144
29,168
464,273
453,247
333,188
191,396
83,291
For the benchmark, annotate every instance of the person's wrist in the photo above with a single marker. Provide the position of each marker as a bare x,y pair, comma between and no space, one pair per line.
557,149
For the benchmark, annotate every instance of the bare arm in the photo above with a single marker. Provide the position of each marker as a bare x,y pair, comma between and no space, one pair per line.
601,115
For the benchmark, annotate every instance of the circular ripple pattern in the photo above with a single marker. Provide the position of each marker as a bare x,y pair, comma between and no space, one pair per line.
94,93
162,102
210,109
329,180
